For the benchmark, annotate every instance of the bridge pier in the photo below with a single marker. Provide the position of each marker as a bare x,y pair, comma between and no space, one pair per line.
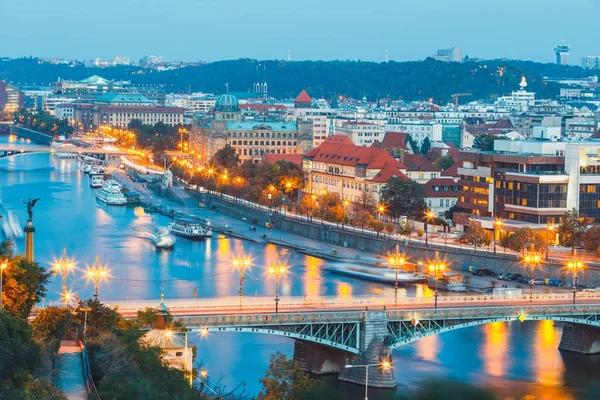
580,338
373,350
318,359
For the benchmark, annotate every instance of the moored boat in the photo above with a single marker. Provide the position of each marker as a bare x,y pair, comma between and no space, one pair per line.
96,181
111,194
190,228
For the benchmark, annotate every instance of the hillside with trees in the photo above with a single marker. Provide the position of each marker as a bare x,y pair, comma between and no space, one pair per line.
412,80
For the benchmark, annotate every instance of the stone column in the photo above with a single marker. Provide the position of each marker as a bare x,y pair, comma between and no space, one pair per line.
580,338
373,350
29,231
318,359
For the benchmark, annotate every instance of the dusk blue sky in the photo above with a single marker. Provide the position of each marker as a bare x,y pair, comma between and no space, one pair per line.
313,29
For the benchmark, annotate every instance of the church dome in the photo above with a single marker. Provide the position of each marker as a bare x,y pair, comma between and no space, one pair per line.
227,103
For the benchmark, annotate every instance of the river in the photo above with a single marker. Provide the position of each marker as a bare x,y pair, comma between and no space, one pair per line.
512,358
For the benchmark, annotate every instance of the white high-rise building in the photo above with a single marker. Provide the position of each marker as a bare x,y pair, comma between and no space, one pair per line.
449,55
562,54
590,62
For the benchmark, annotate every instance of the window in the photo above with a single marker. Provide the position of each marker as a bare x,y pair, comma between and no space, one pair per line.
178,354
436,188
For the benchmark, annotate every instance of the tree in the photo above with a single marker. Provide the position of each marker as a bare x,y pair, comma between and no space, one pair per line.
390,228
571,228
284,379
425,146
591,239
50,326
527,239
444,162
404,198
420,233
476,235
485,142
377,225
362,218
406,230
226,157
412,143
24,285
449,213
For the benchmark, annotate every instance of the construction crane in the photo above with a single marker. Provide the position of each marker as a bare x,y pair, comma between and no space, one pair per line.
456,96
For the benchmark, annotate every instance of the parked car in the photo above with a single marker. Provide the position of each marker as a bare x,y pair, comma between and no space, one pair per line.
485,272
537,281
502,277
523,279
513,277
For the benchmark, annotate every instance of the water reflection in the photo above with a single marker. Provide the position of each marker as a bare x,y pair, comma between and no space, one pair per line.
495,346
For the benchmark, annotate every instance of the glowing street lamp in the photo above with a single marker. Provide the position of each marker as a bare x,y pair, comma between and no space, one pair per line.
436,267
575,265
397,261
428,218
204,375
384,365
531,260
550,232
63,266
3,266
346,203
96,273
498,225
277,270
242,263
381,211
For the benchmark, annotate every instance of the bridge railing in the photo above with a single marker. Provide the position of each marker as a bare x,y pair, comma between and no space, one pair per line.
312,303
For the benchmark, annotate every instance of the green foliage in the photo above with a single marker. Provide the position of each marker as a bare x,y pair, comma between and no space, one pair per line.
525,239
425,146
226,157
406,229
50,326
591,239
99,318
476,235
42,122
449,213
404,198
571,229
485,142
414,146
444,162
158,137
41,389
24,285
284,379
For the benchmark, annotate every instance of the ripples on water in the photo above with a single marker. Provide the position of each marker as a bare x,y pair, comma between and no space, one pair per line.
512,358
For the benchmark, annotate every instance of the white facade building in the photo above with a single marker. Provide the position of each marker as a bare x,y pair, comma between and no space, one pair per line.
361,133
418,131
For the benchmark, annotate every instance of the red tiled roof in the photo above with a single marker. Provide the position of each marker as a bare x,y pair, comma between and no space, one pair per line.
596,135
440,183
303,97
389,171
339,149
452,171
418,162
293,158
392,140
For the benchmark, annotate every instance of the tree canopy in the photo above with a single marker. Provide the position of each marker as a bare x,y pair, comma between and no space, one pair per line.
444,162
425,146
404,198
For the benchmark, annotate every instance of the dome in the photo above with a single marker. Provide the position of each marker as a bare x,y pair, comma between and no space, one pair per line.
227,103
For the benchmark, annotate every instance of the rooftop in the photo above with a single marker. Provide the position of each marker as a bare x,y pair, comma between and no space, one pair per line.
303,97
292,158
123,98
267,126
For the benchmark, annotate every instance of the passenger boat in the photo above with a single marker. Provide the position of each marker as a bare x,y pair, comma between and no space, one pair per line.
190,228
111,194
85,167
96,169
382,275
96,181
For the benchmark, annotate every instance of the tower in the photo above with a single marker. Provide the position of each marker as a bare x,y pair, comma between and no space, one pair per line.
29,231
562,54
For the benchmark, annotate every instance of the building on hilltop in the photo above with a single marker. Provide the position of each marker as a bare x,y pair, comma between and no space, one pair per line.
562,54
352,172
251,139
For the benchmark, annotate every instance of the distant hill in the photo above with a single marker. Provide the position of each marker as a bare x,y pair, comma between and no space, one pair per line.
414,80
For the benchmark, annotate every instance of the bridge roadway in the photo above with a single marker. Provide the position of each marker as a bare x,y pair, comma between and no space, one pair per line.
33,148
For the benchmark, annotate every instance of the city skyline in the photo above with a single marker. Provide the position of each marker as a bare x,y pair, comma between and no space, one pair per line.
311,30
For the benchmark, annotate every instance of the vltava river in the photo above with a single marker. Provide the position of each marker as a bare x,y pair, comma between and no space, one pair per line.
515,359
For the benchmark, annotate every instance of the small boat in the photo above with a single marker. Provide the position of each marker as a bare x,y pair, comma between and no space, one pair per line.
382,275
162,239
450,281
96,181
111,194
190,228
85,167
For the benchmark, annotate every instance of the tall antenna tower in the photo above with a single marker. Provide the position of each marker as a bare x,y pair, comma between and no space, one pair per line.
289,55
386,55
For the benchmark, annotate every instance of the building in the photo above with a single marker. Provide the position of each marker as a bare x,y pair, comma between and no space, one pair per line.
590,62
361,133
562,54
353,172
530,182
449,55
418,130
11,97
251,139
121,116
519,101
303,100
419,168
441,194
473,128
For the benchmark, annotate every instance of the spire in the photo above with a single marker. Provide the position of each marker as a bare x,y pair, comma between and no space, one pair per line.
334,102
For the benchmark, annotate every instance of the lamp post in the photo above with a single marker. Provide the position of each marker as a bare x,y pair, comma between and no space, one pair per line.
385,365
549,234
575,265
497,224
531,260
345,203
397,261
277,270
313,198
3,266
188,373
242,263
96,273
380,211
204,375
63,266
428,218
436,267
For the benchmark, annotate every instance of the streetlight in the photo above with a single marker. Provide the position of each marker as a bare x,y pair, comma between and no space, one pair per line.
242,262
96,273
345,203
3,266
169,333
312,205
531,260
204,375
381,211
385,365
277,270
436,267
549,235
397,261
497,224
428,218
575,265
63,266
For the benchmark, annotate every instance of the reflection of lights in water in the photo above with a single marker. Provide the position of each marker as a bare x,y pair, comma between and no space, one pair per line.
344,290
139,211
494,352
428,348
378,290
548,364
312,276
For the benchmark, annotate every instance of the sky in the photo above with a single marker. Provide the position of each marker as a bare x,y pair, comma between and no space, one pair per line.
192,30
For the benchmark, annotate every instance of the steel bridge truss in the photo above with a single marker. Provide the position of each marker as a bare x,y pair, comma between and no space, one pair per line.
338,330
407,327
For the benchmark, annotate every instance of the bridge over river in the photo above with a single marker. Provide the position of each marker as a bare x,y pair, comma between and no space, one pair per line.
331,332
